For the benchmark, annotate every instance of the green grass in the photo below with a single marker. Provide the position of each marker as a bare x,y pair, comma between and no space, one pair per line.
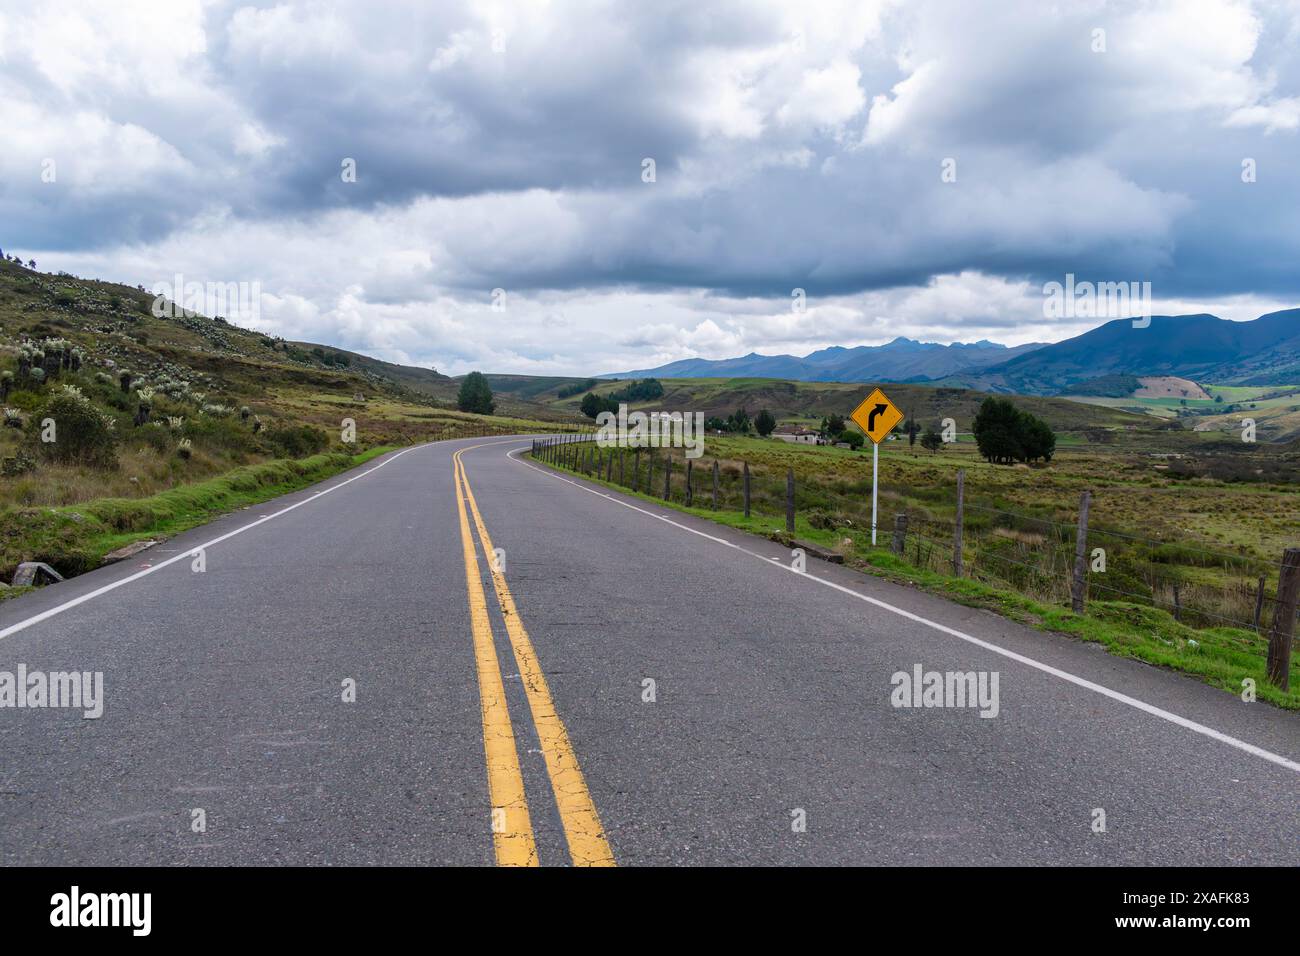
1219,656
74,538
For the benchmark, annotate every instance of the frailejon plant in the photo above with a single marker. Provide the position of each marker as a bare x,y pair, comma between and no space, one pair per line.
82,435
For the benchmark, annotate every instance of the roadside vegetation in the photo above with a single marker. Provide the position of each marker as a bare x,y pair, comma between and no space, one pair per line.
117,424
1213,540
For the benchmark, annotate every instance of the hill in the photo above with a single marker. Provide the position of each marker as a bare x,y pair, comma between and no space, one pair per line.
147,408
809,402
902,360
1102,361
1202,347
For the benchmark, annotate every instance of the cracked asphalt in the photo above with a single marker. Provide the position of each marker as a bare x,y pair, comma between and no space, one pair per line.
770,739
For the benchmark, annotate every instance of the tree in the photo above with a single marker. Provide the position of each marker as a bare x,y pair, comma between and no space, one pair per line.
739,422
1037,438
764,423
931,440
593,405
833,427
646,390
475,395
1005,434
997,431
853,439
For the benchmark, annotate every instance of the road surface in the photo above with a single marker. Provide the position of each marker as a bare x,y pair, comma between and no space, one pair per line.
657,690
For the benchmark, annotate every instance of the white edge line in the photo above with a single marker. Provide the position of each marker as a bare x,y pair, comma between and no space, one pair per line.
1029,661
189,552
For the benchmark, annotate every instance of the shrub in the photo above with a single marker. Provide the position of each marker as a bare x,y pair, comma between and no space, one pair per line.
83,434
297,441
20,464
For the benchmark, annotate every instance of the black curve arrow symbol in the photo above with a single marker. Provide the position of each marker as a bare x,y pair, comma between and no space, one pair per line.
871,418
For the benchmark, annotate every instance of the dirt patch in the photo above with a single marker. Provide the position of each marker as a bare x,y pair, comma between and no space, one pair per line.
1170,386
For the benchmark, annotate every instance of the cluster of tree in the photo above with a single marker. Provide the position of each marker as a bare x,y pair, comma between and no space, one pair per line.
832,427
835,429
568,391
593,405
31,263
738,422
475,395
332,359
1006,434
646,390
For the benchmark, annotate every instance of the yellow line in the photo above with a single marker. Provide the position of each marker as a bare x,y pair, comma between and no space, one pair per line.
512,830
586,837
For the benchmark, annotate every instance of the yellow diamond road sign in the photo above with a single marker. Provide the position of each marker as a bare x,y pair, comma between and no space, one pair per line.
877,416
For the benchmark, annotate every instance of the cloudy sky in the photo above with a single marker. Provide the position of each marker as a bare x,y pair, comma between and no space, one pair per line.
795,145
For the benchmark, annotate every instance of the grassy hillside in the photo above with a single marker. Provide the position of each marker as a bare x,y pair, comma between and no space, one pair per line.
1274,409
143,406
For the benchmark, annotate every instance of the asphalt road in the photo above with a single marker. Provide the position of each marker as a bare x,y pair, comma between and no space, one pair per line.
518,726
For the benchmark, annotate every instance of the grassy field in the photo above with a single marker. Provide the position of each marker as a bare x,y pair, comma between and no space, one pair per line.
1212,539
1275,409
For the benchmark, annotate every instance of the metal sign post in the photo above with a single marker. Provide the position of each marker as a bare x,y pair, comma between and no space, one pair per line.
876,416
875,471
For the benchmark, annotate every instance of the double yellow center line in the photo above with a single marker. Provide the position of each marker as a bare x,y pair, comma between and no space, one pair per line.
511,825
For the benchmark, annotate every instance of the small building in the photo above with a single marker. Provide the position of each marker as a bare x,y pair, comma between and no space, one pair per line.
802,436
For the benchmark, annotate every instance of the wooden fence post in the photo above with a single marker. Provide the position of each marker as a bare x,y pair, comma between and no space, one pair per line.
715,484
1178,603
1259,603
636,469
620,466
899,544
1279,638
1079,586
650,472
668,476
746,489
957,534
789,500
690,492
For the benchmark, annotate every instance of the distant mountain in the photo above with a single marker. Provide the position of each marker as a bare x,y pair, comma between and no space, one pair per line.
1203,348
902,360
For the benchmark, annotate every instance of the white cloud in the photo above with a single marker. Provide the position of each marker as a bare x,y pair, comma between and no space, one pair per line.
798,144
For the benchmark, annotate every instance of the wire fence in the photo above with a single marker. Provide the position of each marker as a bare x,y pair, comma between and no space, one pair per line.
1041,556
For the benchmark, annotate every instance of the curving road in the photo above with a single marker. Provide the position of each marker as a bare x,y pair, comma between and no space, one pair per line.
630,686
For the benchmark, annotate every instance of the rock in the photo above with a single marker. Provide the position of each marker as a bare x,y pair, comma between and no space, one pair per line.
130,551
35,573
817,551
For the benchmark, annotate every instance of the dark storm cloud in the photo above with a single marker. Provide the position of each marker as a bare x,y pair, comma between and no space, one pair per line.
796,145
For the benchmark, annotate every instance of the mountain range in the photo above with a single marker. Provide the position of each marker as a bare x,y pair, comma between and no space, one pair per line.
1199,347
902,360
